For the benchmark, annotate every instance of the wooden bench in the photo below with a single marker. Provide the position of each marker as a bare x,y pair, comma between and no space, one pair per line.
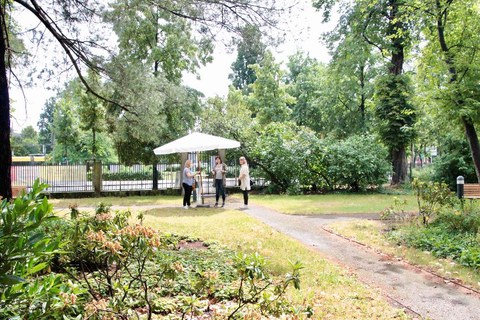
471,190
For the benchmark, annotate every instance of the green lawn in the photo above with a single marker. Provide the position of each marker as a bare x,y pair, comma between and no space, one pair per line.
333,203
301,204
118,201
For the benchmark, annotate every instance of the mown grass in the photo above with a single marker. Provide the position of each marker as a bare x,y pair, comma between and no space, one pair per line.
328,289
333,203
302,204
118,201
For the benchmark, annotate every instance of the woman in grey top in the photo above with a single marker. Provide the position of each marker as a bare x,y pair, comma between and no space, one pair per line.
219,172
188,181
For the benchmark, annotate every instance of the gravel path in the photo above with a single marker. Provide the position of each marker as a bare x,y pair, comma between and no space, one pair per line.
416,290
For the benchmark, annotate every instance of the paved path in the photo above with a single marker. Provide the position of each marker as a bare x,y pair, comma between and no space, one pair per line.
420,292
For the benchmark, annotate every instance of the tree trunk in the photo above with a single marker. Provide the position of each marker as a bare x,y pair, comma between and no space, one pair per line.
398,157
363,97
449,59
399,165
472,138
5,149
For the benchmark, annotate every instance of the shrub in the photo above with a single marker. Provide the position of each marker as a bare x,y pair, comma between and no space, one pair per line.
287,155
26,254
358,163
431,198
455,160
125,175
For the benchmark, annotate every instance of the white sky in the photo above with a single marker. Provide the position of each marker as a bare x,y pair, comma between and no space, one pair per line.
302,33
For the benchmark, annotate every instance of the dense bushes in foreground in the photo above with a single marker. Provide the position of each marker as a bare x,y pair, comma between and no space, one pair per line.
106,268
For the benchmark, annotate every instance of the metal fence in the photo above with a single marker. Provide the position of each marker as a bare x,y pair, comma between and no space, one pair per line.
118,177
61,178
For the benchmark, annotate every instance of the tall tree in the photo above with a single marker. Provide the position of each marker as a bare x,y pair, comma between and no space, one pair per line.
63,19
250,51
386,27
352,69
451,63
65,130
269,99
45,126
306,79
92,117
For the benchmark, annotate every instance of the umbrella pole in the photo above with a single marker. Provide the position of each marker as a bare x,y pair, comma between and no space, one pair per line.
200,180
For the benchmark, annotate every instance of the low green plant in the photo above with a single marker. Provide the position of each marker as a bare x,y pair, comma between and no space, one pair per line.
256,286
460,247
397,211
431,198
26,253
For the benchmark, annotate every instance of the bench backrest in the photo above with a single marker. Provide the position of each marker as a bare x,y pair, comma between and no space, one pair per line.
471,190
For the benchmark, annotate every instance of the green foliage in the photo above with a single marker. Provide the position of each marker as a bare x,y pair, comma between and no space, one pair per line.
455,160
306,79
92,115
65,129
431,198
396,114
24,249
269,98
358,162
26,143
45,125
26,255
397,211
257,287
250,51
126,175
164,42
285,153
451,235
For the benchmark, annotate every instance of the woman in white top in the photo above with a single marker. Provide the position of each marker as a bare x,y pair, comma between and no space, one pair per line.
244,179
219,172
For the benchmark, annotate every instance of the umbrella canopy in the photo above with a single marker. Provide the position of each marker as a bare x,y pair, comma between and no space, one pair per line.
195,142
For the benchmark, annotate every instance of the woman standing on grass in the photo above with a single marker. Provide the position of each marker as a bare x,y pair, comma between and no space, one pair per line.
219,172
187,184
244,179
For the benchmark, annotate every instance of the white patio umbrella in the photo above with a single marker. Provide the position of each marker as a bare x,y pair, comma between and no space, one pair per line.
196,142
